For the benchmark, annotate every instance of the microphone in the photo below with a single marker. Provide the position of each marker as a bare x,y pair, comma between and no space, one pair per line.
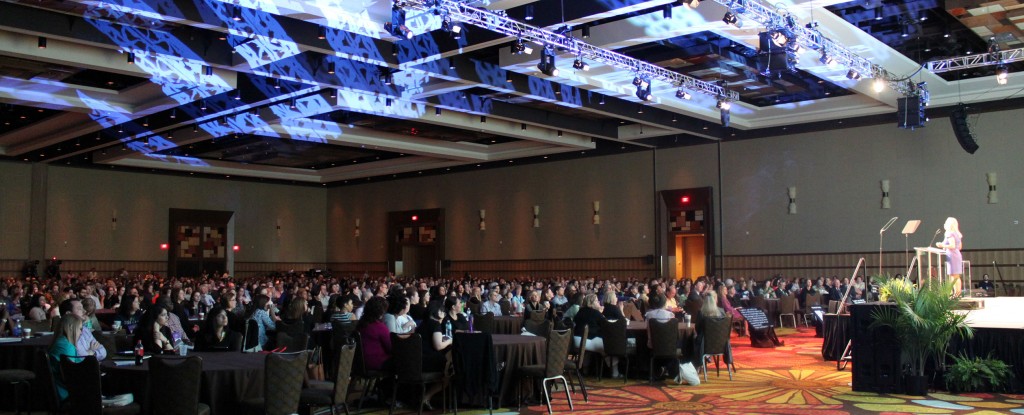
937,232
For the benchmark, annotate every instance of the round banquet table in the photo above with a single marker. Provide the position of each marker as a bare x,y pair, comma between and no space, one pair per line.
638,331
515,351
508,324
228,377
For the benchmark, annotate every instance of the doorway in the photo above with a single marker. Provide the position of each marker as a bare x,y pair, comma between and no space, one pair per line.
690,256
416,243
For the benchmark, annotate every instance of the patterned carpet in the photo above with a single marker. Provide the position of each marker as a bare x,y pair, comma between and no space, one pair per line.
791,379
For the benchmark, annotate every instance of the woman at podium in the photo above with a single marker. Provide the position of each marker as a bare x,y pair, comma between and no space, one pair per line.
954,262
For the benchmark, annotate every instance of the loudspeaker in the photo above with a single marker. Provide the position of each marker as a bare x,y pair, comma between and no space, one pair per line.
649,260
910,112
877,364
958,119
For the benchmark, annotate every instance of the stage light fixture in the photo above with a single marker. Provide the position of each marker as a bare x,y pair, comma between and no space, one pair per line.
666,11
878,85
145,122
397,24
195,128
853,74
681,94
585,32
330,68
904,30
333,93
387,102
236,13
437,111
547,61
238,95
878,13
1002,72
691,3
131,58
580,65
291,104
120,129
529,12
779,38
520,48
277,84
321,33
731,19
42,42
643,89
508,76
723,104
207,70
826,59
255,112
202,105
174,113
640,109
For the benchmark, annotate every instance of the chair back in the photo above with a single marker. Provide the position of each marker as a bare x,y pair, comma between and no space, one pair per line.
343,372
44,377
407,357
812,300
294,328
359,362
108,341
484,323
341,333
282,382
716,334
631,312
251,337
787,304
36,326
614,334
557,352
664,337
293,342
538,328
180,378
55,324
82,381
833,306
473,306
759,302
506,307
581,351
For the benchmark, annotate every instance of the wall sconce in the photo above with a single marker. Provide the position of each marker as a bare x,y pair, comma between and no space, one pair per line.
792,200
885,194
993,197
278,228
483,224
536,216
113,220
597,212
357,228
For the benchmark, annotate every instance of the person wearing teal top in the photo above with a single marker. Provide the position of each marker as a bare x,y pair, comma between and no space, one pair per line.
64,345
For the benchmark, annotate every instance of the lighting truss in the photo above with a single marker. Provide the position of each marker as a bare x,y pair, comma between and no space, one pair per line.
499,23
975,61
811,38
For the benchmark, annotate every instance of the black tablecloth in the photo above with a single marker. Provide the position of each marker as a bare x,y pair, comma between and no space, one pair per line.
837,335
516,351
1005,344
228,377
508,324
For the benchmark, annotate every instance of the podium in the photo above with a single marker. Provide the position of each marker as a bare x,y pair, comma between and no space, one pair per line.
930,252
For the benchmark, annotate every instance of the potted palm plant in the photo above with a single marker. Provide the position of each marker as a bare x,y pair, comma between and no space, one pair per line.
924,321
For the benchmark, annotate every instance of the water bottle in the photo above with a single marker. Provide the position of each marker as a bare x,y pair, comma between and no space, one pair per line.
139,353
17,328
470,322
448,328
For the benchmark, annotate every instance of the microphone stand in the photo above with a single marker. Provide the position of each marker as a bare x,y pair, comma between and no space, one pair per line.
880,232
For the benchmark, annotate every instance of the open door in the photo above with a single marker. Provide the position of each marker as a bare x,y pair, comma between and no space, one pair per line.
686,232
416,242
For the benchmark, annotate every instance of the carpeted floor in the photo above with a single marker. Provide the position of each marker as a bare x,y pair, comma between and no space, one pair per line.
792,379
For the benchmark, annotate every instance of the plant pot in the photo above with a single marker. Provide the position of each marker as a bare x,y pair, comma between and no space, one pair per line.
915,385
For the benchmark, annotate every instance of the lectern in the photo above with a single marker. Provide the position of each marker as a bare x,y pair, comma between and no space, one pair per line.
930,252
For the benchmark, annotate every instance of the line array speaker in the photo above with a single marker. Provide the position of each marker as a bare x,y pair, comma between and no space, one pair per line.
958,119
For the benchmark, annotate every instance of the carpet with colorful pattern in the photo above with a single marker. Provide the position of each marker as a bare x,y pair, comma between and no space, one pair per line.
790,379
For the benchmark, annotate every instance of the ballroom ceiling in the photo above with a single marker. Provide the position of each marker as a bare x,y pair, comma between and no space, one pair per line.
319,93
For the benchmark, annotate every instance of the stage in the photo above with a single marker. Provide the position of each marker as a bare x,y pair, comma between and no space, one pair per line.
998,313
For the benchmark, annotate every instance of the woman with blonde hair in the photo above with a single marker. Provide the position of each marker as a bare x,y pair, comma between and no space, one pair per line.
64,345
952,243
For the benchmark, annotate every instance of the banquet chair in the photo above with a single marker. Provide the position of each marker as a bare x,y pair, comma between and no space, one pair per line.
282,384
552,369
692,307
664,342
615,344
484,322
473,306
54,324
289,328
46,383
251,337
108,341
630,310
809,302
359,370
787,307
574,365
407,360
538,328
82,381
178,392
18,378
332,394
477,370
759,302
715,343
292,342
506,307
